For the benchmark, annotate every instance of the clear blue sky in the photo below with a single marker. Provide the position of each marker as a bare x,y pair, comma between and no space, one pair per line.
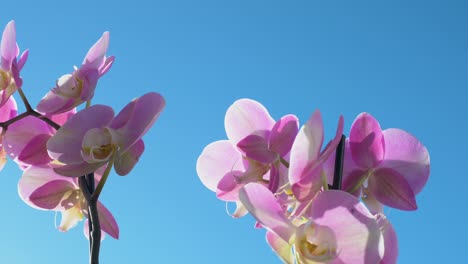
405,62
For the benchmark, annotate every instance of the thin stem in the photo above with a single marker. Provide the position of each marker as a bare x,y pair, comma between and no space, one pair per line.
339,160
25,100
103,180
94,231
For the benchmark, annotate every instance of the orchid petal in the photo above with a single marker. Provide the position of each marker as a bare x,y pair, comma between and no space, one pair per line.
35,151
283,134
96,54
240,210
8,110
8,47
264,206
80,169
108,223
51,194
62,118
228,187
390,240
245,117
70,218
280,247
53,103
106,66
256,148
22,59
391,188
407,155
358,238
216,160
125,162
65,145
366,141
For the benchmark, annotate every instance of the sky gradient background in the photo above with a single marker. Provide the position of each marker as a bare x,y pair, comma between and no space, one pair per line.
405,62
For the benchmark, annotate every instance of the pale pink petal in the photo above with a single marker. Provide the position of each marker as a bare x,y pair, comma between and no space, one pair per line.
96,54
62,118
352,182
283,134
330,148
407,155
137,117
51,194
264,206
8,110
310,183
106,66
90,79
35,151
80,169
245,117
8,47
391,188
53,103
357,234
22,59
108,223
240,210
372,204
35,177
216,160
366,141
280,247
256,148
70,218
125,162
65,145
390,240
306,148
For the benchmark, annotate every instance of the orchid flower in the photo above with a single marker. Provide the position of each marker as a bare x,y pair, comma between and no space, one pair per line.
25,140
390,167
73,89
10,66
42,188
255,149
93,137
337,228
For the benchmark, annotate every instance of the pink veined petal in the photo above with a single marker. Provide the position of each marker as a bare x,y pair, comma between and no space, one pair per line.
306,148
8,110
20,133
366,141
96,54
35,151
108,223
264,206
216,160
283,134
280,247
228,187
407,155
390,242
76,170
358,237
245,117
137,117
65,145
125,162
35,177
8,46
22,60
256,148
51,194
391,188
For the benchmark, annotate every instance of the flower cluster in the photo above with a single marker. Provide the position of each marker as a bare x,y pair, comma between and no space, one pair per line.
282,175
57,147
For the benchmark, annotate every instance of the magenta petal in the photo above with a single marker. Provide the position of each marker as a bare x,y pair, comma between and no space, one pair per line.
390,188
96,54
108,223
125,162
256,148
309,185
137,117
50,194
245,117
8,47
407,155
283,134
8,110
264,206
228,187
62,118
22,60
80,169
306,148
35,152
390,240
352,182
218,159
65,145
366,141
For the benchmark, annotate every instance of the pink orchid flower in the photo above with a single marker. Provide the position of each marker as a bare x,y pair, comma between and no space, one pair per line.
42,188
254,151
7,111
73,89
94,137
26,139
336,228
10,67
306,172
388,167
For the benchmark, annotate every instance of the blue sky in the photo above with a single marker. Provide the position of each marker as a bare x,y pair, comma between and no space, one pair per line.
405,62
